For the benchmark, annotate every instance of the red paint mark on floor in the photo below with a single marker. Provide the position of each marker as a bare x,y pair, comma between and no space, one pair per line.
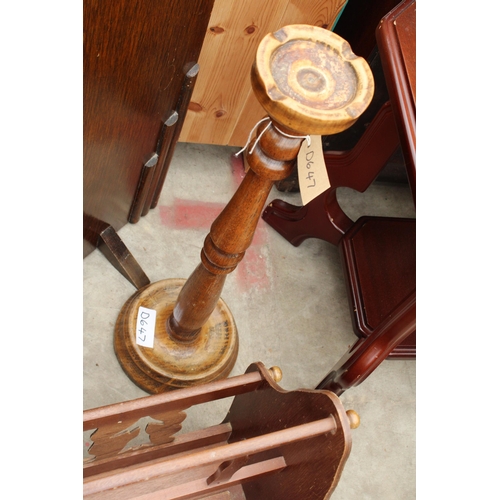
260,236
186,214
251,272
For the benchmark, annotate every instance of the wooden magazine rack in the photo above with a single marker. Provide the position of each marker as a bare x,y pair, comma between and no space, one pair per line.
273,444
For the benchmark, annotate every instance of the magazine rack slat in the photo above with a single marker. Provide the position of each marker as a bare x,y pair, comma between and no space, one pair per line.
272,444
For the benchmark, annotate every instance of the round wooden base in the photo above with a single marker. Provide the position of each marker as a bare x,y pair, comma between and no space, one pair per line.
170,364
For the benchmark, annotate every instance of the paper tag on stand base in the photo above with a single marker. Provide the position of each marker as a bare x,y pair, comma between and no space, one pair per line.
313,177
145,327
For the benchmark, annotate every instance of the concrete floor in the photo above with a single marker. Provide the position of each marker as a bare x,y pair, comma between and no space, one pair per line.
289,304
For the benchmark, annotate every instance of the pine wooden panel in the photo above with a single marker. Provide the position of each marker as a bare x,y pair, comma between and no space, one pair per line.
223,108
321,13
234,32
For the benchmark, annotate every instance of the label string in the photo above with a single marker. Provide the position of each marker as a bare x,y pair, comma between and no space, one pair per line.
306,137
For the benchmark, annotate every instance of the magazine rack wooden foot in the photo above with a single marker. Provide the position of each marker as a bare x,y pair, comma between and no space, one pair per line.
273,444
309,82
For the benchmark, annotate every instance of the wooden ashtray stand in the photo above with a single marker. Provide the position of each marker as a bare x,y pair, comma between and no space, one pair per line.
309,82
273,444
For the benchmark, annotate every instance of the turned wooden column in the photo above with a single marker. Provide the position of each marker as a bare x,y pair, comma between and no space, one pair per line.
309,82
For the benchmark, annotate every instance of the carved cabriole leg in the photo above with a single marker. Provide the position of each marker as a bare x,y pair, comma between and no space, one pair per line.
323,217
367,354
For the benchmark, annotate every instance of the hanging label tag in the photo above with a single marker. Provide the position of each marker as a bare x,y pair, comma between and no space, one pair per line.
313,177
145,327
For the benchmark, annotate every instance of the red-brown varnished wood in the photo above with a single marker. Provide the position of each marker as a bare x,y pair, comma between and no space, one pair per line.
309,473
171,400
113,419
323,217
367,354
277,444
379,262
379,255
154,473
134,57
396,39
182,443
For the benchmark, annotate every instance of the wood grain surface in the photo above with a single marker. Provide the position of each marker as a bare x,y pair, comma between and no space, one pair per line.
134,57
223,108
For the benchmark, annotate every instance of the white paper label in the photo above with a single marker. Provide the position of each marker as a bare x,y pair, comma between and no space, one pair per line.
313,176
145,328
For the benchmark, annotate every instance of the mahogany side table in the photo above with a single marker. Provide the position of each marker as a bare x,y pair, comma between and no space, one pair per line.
378,253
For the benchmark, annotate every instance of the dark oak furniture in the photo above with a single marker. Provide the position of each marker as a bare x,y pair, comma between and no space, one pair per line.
139,68
378,254
273,444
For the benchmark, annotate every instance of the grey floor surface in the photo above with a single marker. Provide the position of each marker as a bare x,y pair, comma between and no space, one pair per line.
289,304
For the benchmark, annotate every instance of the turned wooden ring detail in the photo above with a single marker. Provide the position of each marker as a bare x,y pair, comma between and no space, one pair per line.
307,78
309,82
231,233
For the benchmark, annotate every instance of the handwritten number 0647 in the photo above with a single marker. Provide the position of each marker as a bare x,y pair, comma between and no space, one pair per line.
144,316
309,164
